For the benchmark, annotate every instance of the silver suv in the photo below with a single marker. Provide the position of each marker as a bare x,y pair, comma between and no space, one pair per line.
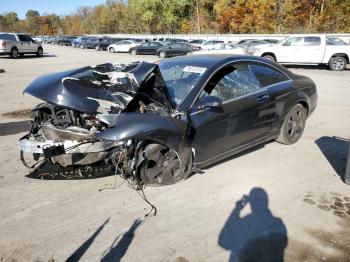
15,45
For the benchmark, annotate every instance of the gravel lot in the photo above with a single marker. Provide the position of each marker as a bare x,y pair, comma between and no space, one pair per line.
197,220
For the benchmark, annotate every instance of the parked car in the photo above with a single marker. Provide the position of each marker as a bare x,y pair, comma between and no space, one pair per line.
77,41
210,44
149,48
49,39
271,41
122,46
335,41
157,122
66,40
15,45
104,43
196,42
223,49
306,49
90,43
38,39
175,50
244,41
252,43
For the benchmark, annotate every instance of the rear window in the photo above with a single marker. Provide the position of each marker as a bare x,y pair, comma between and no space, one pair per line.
8,37
267,76
312,41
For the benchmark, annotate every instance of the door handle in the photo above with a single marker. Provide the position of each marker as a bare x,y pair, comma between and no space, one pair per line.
263,98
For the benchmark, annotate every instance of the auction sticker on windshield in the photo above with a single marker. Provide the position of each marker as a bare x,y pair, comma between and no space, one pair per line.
194,69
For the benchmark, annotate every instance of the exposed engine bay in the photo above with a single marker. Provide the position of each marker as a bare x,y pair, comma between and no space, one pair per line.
117,114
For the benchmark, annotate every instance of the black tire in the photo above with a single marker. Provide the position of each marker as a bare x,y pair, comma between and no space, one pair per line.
111,50
162,54
337,63
39,53
269,57
14,53
133,52
293,125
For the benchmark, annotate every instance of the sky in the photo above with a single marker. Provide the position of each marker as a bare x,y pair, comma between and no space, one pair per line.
60,7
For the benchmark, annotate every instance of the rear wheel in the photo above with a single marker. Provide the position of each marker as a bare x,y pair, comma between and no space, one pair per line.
162,54
293,125
14,53
111,50
337,63
97,47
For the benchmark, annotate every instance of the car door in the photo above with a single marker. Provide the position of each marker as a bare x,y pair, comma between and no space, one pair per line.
24,46
247,113
312,52
290,50
143,49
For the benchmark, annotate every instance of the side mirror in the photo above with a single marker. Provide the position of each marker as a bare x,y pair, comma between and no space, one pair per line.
209,102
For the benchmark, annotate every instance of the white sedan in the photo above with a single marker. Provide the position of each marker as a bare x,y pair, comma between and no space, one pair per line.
223,48
122,46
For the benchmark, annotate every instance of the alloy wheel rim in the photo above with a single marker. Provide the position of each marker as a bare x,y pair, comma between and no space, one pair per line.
295,124
338,63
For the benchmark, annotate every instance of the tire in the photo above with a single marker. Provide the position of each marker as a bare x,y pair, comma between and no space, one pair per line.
133,52
269,57
162,55
21,55
82,46
14,53
97,47
337,63
40,52
111,50
293,125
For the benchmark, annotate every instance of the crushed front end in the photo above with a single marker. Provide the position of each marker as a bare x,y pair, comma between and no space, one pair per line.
118,115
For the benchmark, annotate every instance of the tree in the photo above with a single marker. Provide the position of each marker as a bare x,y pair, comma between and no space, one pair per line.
11,21
33,18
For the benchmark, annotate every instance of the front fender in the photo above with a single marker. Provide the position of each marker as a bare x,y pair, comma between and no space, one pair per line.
167,131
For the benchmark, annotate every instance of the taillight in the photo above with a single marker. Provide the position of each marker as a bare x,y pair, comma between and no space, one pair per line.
3,45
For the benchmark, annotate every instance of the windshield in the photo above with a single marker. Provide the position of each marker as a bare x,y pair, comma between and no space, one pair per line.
180,78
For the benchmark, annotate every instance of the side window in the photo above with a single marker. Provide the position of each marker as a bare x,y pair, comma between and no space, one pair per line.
22,38
312,41
267,76
294,41
233,82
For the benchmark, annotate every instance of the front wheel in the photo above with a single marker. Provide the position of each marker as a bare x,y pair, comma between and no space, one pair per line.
133,52
39,52
97,48
111,50
161,166
337,63
162,54
269,57
293,125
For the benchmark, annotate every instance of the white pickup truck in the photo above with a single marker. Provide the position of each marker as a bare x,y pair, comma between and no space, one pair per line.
305,49
15,45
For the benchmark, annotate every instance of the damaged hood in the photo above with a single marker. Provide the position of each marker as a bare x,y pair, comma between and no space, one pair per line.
100,89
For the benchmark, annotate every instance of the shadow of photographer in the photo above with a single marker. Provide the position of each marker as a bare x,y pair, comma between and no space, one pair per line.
259,236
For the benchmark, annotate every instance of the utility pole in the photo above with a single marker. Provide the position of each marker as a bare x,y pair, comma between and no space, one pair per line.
198,20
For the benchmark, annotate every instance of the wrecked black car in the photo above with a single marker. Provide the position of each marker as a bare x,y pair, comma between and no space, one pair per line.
158,122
